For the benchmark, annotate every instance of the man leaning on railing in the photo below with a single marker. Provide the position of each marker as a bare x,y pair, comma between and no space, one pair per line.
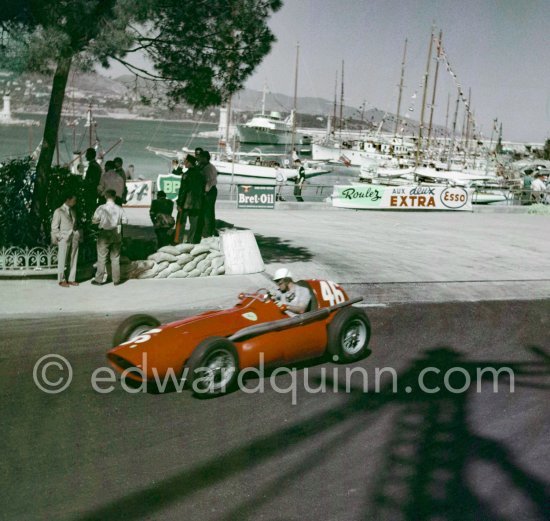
539,188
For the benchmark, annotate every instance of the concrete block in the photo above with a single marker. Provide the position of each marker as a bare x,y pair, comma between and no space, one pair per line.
241,252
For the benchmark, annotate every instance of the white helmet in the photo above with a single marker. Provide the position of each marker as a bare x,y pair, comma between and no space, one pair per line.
282,273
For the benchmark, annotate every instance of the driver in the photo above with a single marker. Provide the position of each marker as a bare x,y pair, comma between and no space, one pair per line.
295,298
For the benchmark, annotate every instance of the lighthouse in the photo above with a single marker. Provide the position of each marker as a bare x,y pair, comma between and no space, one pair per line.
5,115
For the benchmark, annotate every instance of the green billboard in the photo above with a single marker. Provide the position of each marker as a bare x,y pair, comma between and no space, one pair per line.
256,196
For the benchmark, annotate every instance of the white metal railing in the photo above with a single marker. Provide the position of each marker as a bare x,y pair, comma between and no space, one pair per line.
38,259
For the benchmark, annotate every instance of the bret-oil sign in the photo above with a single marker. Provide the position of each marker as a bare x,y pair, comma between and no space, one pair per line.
256,196
378,197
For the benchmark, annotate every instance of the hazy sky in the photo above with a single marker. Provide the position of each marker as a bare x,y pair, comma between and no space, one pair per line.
498,48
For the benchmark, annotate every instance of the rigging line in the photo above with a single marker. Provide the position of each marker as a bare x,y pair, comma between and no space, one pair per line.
155,132
64,141
279,103
82,136
194,129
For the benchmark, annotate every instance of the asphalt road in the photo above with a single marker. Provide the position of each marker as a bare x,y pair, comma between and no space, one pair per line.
389,454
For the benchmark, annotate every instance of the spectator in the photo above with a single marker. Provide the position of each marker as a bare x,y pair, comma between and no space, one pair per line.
538,187
161,216
120,171
176,168
130,172
110,180
191,200
109,217
210,175
299,184
527,182
91,182
65,233
279,182
198,152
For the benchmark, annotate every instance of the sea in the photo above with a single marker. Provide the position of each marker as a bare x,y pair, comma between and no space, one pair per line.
135,135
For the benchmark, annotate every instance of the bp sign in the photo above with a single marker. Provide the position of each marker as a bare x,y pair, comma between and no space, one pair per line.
256,196
170,184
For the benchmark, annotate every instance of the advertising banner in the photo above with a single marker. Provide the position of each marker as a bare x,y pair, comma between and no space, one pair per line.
256,196
140,193
378,197
170,184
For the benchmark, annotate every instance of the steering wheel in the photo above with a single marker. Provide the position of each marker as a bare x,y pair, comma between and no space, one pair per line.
262,297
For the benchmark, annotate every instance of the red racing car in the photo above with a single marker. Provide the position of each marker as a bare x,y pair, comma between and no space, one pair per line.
209,349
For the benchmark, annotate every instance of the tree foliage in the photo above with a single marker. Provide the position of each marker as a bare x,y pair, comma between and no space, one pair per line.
203,49
16,187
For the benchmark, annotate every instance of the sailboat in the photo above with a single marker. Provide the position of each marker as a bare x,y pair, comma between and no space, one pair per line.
255,167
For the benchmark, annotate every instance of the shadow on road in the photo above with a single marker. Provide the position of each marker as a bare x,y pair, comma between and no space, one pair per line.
426,462
273,249
140,241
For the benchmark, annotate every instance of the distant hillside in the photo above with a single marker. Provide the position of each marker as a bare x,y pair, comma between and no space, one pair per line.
251,100
126,95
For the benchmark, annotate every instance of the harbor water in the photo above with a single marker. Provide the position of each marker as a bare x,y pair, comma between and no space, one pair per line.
136,135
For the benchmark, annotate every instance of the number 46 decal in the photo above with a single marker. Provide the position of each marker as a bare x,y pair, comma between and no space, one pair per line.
331,293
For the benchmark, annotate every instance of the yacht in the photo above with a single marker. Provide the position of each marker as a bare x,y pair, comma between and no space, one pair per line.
270,129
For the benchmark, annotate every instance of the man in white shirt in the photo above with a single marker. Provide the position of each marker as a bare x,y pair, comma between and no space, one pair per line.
210,175
295,298
65,233
109,217
538,187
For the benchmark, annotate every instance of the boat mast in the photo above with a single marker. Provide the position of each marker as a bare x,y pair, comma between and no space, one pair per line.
228,120
468,125
498,148
342,101
447,115
426,75
293,139
90,128
400,90
263,98
435,87
452,143
335,104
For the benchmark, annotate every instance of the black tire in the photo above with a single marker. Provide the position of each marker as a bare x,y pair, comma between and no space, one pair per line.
349,335
213,368
132,327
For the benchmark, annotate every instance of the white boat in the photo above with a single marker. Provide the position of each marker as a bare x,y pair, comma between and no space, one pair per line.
250,167
487,188
270,129
355,152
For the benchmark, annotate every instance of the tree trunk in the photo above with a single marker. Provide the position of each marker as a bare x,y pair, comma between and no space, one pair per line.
38,216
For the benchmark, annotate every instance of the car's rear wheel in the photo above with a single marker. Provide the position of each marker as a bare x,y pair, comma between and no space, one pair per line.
213,367
134,326
349,335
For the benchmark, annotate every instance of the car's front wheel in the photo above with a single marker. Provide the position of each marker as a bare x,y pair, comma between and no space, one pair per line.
213,367
134,326
349,335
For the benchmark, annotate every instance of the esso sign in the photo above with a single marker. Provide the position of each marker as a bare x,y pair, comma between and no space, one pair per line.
455,197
